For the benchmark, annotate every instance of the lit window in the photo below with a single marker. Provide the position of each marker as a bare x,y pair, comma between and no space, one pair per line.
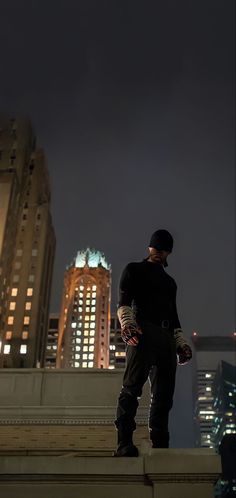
85,348
78,332
208,388
86,318
208,376
92,325
77,356
90,364
93,309
76,364
78,340
80,325
85,356
28,306
86,325
8,335
91,348
14,291
91,356
86,340
80,309
93,302
94,287
87,309
86,332
77,348
25,334
81,294
93,294
88,288
73,325
80,301
230,394
81,287
88,294
23,349
26,320
10,320
92,317
92,332
7,349
29,291
84,364
12,305
91,340
87,301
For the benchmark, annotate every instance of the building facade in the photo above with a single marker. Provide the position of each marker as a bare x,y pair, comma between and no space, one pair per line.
209,352
27,246
117,345
224,401
85,312
52,341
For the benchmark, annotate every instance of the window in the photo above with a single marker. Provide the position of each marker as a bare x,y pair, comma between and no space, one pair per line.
81,287
7,349
85,356
29,291
92,317
93,302
91,340
12,306
93,294
28,305
8,335
88,294
16,278
90,364
86,332
94,287
77,348
77,356
91,348
31,278
87,309
10,320
14,291
25,334
86,340
87,301
86,318
26,320
92,325
23,349
76,364
17,265
91,356
93,309
85,348
19,252
34,252
84,364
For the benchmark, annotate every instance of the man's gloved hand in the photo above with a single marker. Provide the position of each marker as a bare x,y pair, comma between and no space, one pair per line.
184,354
130,334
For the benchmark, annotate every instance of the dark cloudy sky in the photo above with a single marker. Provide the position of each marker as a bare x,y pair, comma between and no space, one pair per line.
133,102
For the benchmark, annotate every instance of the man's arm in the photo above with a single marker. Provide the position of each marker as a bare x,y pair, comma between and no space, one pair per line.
183,349
125,313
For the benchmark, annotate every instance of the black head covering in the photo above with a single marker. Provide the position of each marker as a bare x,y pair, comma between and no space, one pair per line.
162,240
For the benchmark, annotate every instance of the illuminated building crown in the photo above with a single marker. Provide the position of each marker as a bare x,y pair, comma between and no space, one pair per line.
91,258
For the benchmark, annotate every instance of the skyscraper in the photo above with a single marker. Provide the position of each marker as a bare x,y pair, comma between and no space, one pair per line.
85,312
224,401
52,341
27,246
209,351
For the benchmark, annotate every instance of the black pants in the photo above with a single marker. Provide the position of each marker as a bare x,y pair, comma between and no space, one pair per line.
154,358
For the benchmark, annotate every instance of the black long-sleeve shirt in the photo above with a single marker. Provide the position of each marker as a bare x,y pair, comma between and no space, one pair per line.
147,288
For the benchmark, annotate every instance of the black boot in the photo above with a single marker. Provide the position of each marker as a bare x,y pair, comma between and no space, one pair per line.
159,439
125,447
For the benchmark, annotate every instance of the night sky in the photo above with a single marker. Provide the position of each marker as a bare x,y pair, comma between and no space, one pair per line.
133,102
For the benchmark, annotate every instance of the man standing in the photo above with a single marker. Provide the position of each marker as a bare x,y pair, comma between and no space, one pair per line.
151,329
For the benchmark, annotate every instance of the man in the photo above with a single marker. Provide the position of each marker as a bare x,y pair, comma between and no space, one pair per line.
151,329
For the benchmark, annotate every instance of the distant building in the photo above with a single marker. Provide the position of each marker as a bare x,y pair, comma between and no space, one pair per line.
224,401
27,246
85,312
52,341
209,351
117,345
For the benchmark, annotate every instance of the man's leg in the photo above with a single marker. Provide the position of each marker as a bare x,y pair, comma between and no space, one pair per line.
162,379
135,376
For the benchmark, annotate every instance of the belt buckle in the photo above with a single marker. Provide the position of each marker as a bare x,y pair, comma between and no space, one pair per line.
165,324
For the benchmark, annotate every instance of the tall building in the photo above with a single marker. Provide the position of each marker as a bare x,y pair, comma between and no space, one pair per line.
224,401
85,312
52,341
117,345
209,351
27,246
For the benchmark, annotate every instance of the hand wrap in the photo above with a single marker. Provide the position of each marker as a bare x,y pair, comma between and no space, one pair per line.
183,349
129,327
